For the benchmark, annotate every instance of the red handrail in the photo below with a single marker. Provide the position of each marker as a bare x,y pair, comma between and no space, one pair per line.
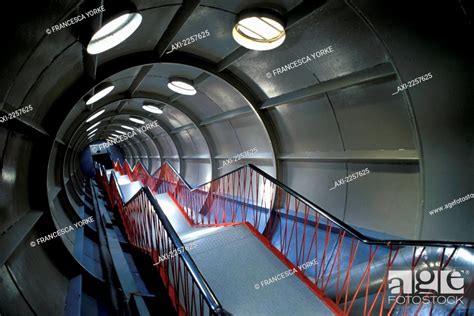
148,229
352,269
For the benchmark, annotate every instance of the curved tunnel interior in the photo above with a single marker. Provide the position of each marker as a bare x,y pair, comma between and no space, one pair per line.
353,85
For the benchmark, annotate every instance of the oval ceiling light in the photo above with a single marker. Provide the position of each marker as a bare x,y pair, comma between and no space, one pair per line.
259,29
152,109
128,127
123,133
135,120
119,24
101,91
95,115
92,126
182,86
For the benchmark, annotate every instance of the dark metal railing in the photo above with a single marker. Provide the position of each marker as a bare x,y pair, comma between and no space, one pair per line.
148,229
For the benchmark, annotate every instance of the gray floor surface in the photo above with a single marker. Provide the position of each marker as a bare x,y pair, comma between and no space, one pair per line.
233,261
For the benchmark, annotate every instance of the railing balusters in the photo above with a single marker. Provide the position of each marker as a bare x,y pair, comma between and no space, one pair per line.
299,229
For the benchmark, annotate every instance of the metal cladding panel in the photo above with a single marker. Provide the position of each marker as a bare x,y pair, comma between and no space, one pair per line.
172,118
200,146
175,116
371,118
223,138
237,6
222,95
385,200
30,34
442,105
169,148
58,74
122,82
41,283
317,128
14,179
26,35
11,300
313,180
187,143
150,147
214,46
167,70
257,68
126,73
151,29
62,219
139,147
156,80
201,104
354,46
250,134
157,84
197,172
155,164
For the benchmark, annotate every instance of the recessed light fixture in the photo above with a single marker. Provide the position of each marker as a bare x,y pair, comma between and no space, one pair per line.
95,115
92,126
92,132
182,86
135,120
152,109
128,127
100,91
118,25
123,133
259,29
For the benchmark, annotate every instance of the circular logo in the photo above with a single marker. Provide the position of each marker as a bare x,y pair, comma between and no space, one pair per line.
269,75
32,244
257,286
48,31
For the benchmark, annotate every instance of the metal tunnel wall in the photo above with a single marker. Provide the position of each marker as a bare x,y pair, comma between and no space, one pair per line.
311,126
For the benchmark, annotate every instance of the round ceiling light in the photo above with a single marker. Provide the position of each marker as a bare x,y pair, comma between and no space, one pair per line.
95,115
92,126
135,120
127,127
101,91
152,109
114,32
182,86
259,29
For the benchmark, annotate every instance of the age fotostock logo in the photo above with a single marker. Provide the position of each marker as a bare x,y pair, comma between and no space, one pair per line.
425,286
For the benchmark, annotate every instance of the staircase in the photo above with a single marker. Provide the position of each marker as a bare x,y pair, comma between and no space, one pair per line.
249,227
